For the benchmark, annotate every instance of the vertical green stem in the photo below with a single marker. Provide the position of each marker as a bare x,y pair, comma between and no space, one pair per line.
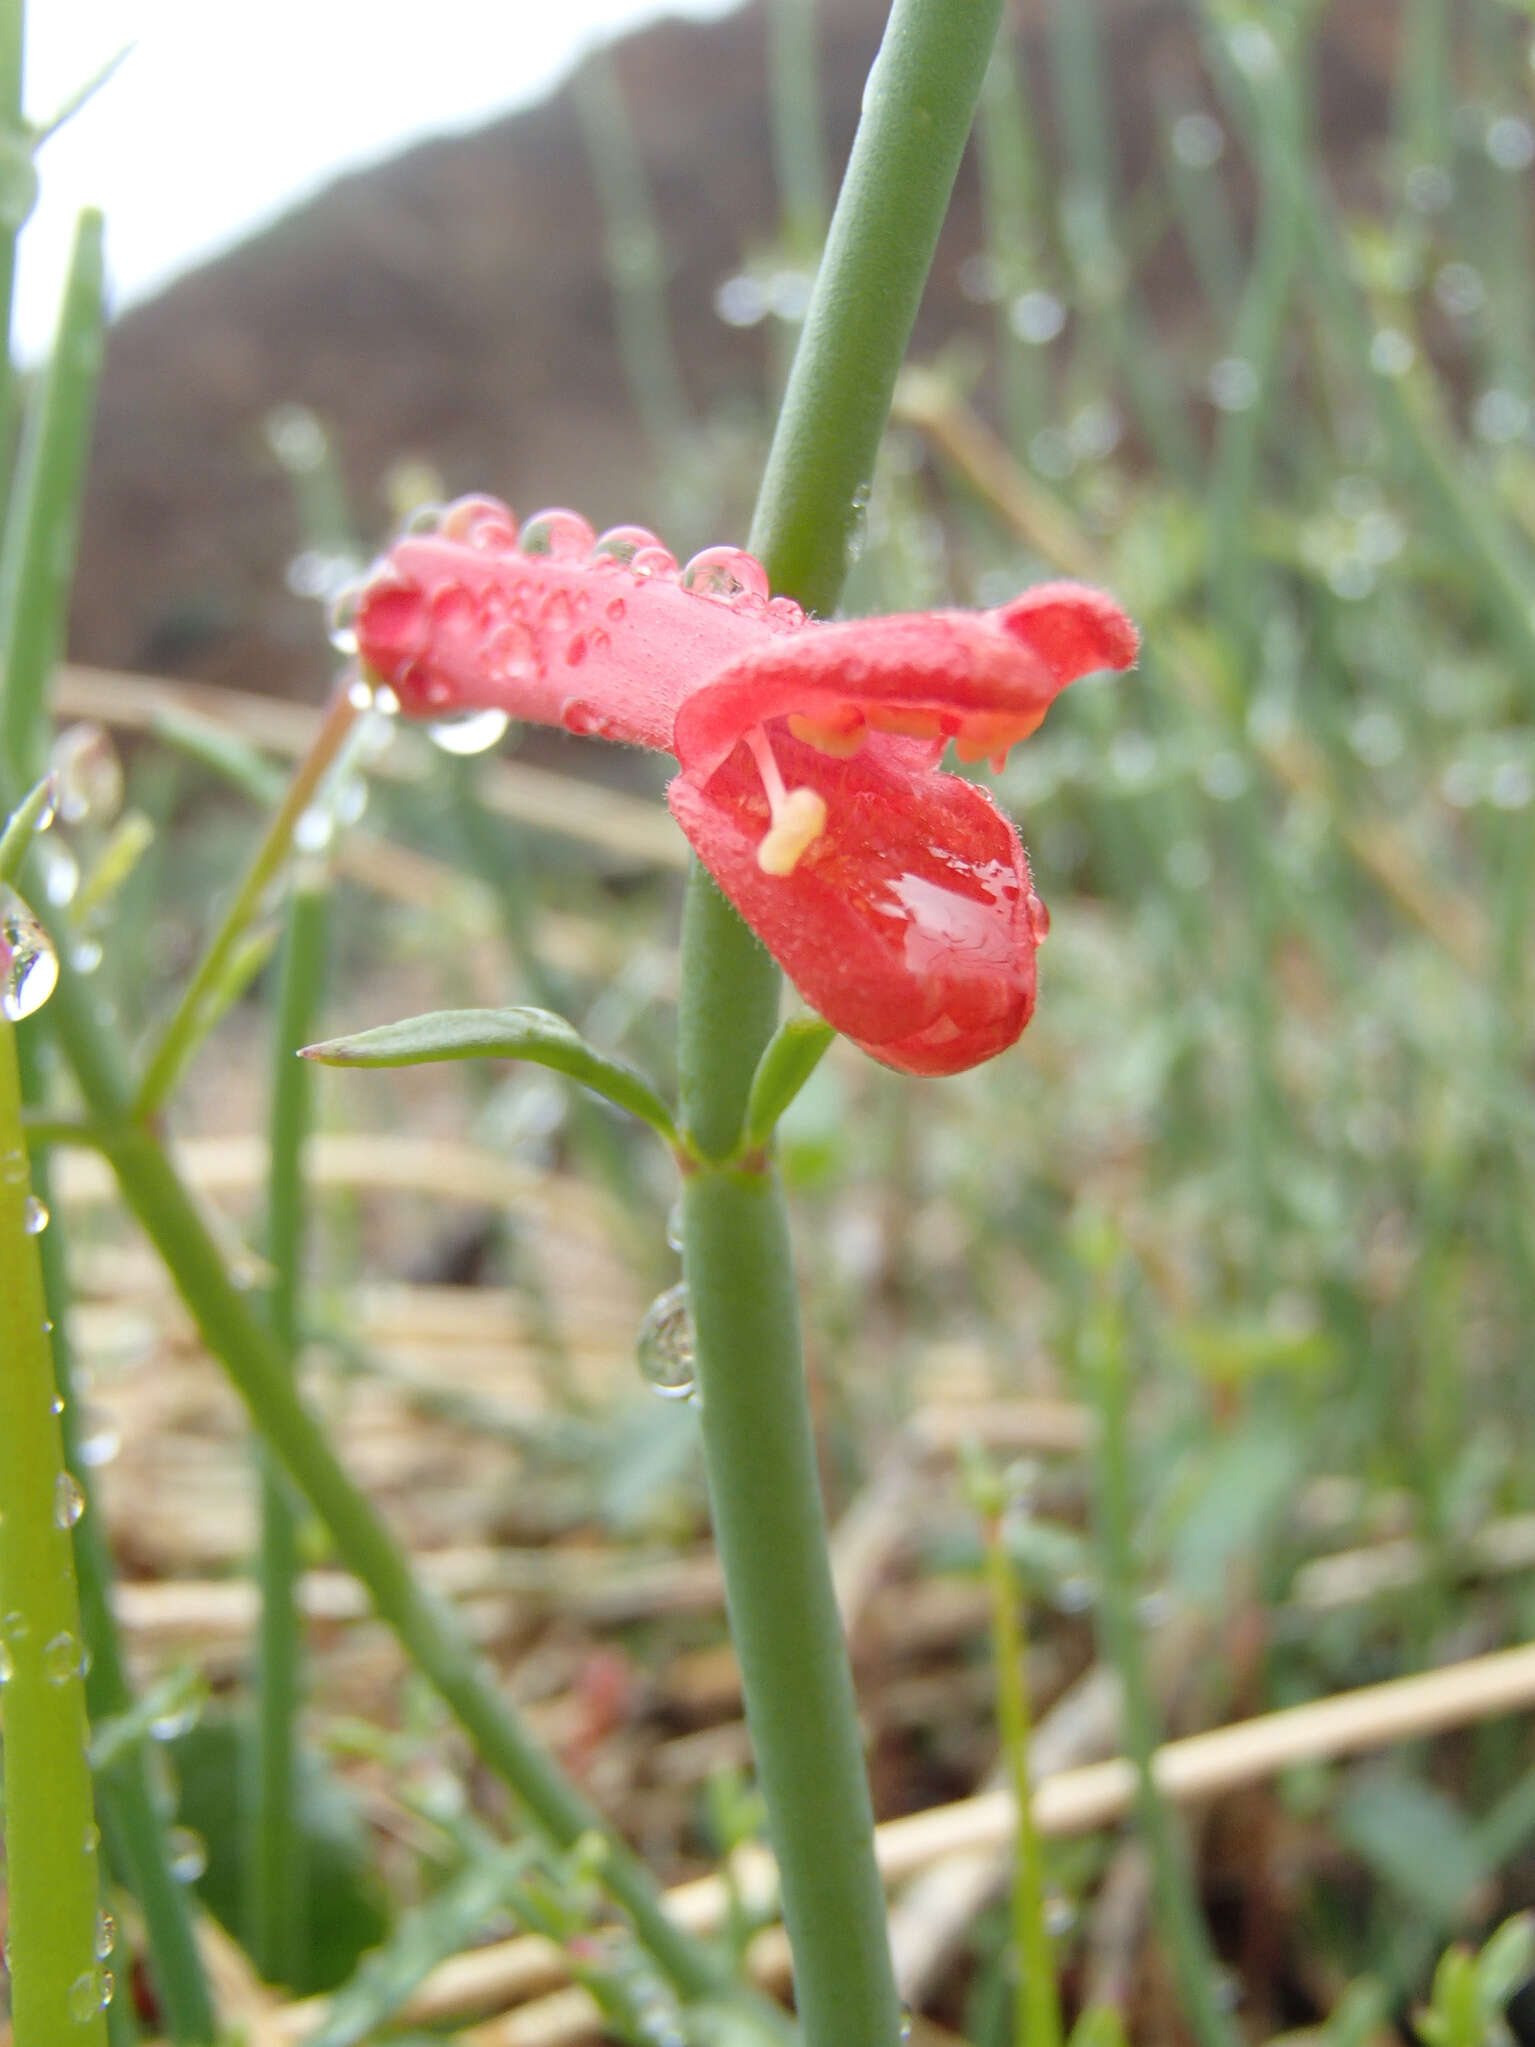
1039,2004
58,1987
798,155
277,1876
1177,1906
758,1443
131,1818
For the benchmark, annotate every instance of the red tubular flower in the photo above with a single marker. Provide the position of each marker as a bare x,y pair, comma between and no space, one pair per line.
897,898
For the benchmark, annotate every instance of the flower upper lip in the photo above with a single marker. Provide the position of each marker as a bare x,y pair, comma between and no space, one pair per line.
897,898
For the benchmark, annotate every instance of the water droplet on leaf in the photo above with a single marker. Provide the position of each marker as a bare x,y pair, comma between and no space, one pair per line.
29,966
68,1500
35,1218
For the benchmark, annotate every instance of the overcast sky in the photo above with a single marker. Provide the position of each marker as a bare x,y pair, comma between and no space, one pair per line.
224,114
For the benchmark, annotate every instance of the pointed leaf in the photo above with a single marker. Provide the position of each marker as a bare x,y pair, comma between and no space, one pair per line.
532,1034
23,826
793,1054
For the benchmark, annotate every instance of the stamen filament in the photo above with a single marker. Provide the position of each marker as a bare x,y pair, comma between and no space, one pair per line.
797,817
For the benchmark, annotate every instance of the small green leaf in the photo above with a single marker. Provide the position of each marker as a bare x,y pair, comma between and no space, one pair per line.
792,1056
501,1034
22,827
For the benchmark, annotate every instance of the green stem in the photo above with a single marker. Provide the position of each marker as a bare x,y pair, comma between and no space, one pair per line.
798,157
759,1446
918,106
277,1876
1039,2004
1177,1906
428,1632
58,1987
198,1005
131,1818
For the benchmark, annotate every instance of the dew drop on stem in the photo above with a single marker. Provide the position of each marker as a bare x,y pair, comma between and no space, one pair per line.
29,966
664,1346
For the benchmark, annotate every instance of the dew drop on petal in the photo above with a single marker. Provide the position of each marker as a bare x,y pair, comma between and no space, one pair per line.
29,966
565,536
664,1345
468,732
68,1500
481,522
727,574
654,561
623,543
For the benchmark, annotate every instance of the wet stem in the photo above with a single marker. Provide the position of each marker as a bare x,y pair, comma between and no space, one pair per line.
758,1443
59,1989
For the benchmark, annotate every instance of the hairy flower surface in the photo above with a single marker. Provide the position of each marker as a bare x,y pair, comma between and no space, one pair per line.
896,897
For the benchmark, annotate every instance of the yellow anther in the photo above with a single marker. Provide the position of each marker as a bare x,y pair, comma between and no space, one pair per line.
799,818
840,741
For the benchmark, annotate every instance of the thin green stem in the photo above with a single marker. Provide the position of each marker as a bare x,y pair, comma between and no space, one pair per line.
59,1989
918,106
42,517
1039,2004
131,1817
759,1445
1177,1907
799,160
199,1004
14,141
770,1530
275,1861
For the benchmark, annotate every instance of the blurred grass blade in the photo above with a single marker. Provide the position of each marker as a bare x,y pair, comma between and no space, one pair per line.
532,1034
82,95
37,552
30,817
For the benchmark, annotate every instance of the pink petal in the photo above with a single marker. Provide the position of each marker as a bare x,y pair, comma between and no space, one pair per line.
911,924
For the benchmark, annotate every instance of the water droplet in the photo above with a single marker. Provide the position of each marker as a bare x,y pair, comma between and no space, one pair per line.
85,955
565,536
106,1935
7,1667
727,574
97,1438
61,872
341,626
655,561
1199,141
468,732
741,301
623,543
180,1720
664,1346
68,1500
92,1837
1038,916
29,966
189,1856
785,611
314,829
14,1627
674,1225
1511,143
56,1405
87,774
61,1658
1233,384
35,1216
1392,353
481,522
1036,317
295,437
13,1169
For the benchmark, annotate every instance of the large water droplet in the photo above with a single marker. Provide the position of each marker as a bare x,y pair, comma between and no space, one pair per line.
87,774
467,732
35,1217
68,1500
564,535
29,967
664,1346
728,574
91,1992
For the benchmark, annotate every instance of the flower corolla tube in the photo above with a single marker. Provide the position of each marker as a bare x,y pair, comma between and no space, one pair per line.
896,897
